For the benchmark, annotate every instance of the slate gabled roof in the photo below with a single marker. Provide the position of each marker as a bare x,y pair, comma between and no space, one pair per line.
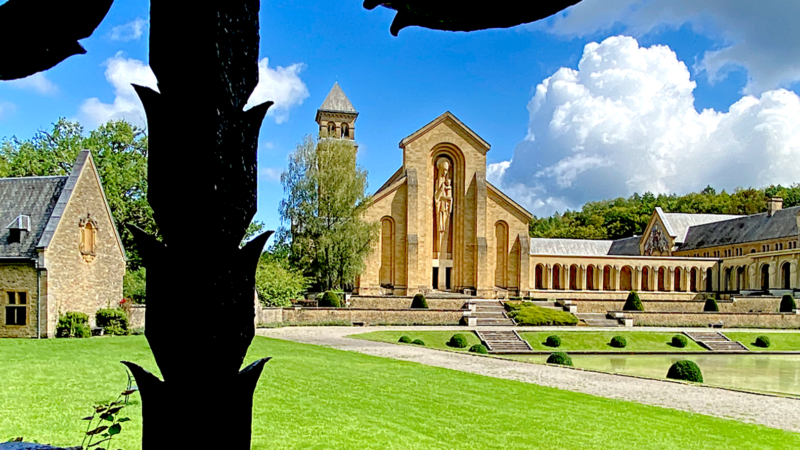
336,101
752,228
678,224
626,247
35,197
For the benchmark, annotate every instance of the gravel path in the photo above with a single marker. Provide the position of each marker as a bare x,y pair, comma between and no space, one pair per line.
775,412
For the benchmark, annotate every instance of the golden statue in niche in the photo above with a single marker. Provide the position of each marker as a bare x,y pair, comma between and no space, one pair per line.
443,199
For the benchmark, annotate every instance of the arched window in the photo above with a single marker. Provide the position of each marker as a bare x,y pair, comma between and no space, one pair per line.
677,277
88,246
573,277
786,270
590,274
501,249
539,274
331,129
709,280
645,278
345,131
765,278
387,253
557,277
607,279
662,275
693,280
727,281
625,279
740,279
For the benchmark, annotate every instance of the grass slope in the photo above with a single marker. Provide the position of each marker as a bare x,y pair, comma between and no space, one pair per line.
432,339
638,341
313,397
779,342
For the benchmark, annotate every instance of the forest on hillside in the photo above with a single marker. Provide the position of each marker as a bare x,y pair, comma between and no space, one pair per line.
625,217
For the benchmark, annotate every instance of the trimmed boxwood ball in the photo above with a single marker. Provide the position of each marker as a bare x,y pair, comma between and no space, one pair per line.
405,339
479,348
679,341
762,341
711,306
787,303
633,303
553,341
685,370
618,342
418,342
458,341
559,358
330,299
419,302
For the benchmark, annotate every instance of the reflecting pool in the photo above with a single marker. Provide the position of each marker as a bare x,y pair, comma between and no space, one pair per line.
770,373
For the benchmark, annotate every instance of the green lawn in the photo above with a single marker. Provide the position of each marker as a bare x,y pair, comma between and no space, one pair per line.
313,397
432,339
638,341
778,341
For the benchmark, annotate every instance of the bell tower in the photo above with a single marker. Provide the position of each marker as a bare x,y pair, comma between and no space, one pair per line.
337,117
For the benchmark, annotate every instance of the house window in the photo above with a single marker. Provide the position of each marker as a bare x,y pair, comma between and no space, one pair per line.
88,245
331,129
780,246
16,308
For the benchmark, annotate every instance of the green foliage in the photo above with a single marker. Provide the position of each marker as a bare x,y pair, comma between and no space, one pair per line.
330,299
526,313
133,285
419,302
405,340
679,341
762,341
633,303
109,420
254,229
458,341
618,342
277,283
113,321
120,152
73,325
559,358
711,305
787,303
553,341
479,348
325,204
624,217
685,370
418,342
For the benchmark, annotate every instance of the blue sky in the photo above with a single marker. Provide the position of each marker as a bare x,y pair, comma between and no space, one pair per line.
733,54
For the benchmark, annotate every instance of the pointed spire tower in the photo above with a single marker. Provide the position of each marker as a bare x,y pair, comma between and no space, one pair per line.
337,117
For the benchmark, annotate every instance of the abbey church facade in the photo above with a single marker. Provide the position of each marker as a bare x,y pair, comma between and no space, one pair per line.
443,227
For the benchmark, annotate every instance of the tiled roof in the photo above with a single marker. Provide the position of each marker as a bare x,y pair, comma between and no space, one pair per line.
625,247
336,101
35,197
742,229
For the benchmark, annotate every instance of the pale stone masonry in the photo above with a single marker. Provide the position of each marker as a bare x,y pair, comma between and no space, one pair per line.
61,250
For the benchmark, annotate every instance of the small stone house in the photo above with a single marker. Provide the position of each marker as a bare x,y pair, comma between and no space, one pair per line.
59,250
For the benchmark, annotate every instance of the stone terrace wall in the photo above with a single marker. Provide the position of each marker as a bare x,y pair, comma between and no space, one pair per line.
729,320
310,316
136,319
402,303
740,305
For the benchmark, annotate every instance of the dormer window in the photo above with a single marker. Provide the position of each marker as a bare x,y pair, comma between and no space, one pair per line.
88,227
18,228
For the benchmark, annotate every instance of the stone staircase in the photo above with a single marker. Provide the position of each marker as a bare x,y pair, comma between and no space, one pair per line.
491,313
598,320
503,341
716,341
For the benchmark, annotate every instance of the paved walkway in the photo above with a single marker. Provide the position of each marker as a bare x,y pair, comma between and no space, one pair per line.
775,412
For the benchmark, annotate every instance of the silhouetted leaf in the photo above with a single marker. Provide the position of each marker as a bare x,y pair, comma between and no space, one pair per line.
88,418
129,391
124,419
115,429
97,430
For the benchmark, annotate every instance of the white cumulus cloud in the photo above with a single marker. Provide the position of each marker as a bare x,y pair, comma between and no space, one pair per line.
121,72
270,173
625,122
6,109
281,85
760,36
37,82
130,31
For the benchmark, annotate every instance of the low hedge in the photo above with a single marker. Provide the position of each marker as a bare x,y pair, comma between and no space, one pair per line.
685,370
73,325
553,341
618,342
632,303
405,339
679,341
479,348
419,302
458,341
787,303
559,358
113,321
418,342
526,313
711,305
762,341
